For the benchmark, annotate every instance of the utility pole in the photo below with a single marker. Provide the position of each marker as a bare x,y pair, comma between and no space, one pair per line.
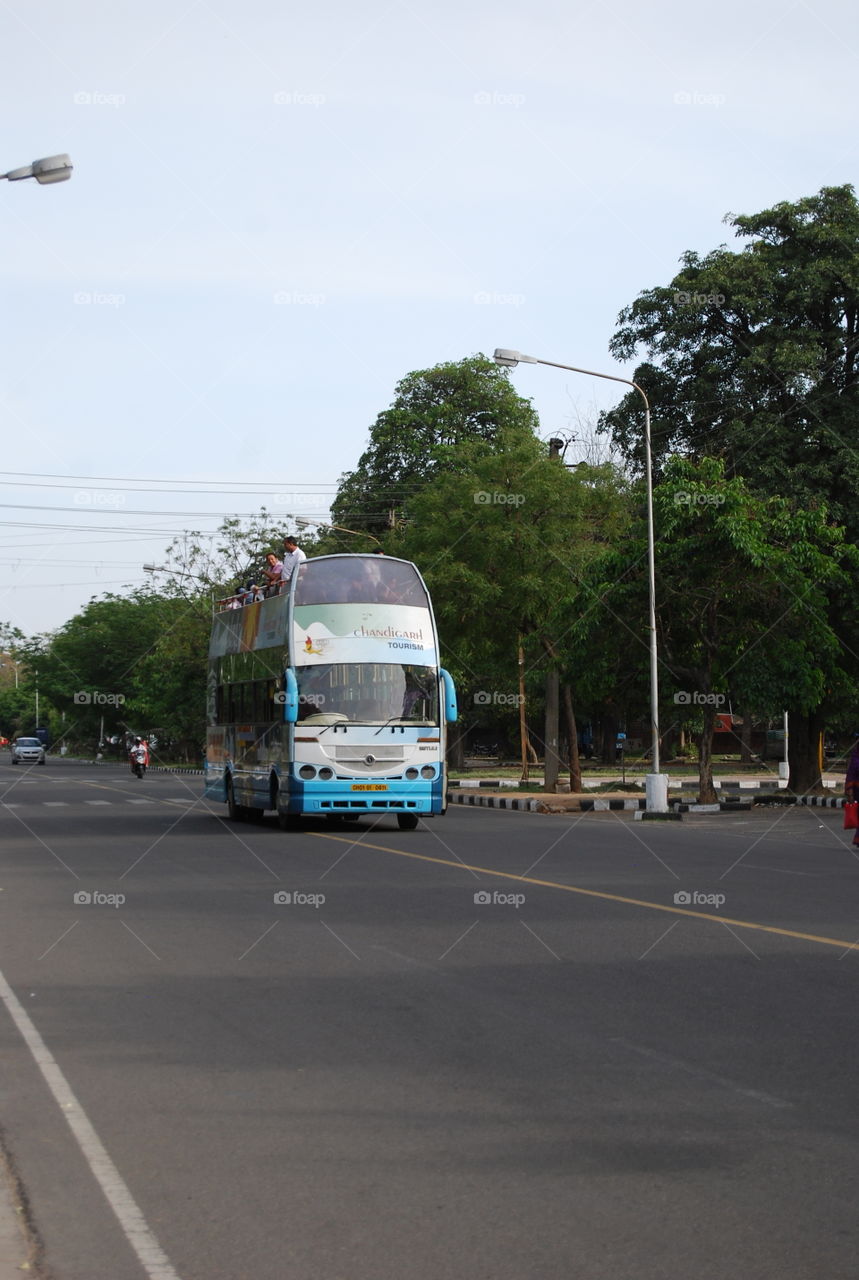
552,766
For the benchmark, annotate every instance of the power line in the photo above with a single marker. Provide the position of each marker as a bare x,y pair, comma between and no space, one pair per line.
247,493
59,475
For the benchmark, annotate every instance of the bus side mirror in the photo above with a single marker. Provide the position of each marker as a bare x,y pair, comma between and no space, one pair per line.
450,711
290,696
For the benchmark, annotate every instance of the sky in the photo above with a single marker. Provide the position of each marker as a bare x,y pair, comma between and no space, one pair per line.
278,211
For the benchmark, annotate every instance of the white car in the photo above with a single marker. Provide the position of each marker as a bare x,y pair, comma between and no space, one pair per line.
28,751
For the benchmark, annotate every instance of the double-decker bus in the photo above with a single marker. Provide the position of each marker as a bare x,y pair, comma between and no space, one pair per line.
328,699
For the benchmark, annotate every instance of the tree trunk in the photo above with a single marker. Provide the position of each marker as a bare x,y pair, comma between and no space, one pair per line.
746,739
803,744
706,790
573,736
456,751
609,737
552,759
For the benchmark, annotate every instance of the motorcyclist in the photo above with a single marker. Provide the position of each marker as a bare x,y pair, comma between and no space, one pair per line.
139,757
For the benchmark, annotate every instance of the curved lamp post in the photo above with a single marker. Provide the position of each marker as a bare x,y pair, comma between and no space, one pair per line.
50,169
656,783
304,523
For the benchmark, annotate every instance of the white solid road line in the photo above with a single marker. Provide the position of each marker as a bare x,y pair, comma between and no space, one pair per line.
152,1257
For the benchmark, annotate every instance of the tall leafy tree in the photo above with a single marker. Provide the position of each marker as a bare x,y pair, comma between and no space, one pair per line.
743,591
501,542
435,413
753,357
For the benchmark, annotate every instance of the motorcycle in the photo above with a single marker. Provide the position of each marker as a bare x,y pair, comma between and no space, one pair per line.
138,762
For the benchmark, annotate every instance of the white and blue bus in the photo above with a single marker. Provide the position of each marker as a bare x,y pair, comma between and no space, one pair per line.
328,699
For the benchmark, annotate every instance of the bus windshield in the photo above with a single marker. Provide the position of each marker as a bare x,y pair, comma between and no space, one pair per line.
367,693
359,580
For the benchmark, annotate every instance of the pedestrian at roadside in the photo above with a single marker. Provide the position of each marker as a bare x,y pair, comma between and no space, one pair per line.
293,556
851,780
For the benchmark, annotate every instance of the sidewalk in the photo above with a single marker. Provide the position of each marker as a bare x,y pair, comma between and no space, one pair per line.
745,782
16,1252
736,793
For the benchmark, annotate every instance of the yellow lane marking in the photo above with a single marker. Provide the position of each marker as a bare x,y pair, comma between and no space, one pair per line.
592,893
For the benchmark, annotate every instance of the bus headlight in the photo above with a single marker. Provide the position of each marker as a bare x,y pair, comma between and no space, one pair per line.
427,771
411,774
307,771
326,774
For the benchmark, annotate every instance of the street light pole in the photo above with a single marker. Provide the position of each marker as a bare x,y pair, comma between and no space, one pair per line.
656,783
15,665
304,523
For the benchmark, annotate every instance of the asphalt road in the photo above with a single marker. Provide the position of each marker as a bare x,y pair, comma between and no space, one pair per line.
573,1076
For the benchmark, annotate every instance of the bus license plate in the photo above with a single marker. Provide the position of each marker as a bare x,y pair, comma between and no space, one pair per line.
369,786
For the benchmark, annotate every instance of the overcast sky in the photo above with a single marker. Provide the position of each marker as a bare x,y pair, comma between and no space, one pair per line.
278,211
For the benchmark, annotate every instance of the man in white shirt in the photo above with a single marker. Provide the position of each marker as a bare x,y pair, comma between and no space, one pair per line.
292,558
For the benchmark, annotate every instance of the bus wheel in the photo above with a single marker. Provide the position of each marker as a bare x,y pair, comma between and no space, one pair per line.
236,811
407,821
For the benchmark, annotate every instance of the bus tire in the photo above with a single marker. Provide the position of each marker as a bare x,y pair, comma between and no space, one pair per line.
235,811
407,821
288,821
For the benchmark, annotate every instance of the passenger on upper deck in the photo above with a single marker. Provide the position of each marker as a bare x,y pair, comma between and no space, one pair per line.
292,558
273,574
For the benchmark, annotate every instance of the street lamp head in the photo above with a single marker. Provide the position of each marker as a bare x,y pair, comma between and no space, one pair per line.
510,359
52,169
49,169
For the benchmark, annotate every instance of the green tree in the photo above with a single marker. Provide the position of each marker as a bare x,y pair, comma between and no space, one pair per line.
500,542
752,355
742,592
88,670
436,413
